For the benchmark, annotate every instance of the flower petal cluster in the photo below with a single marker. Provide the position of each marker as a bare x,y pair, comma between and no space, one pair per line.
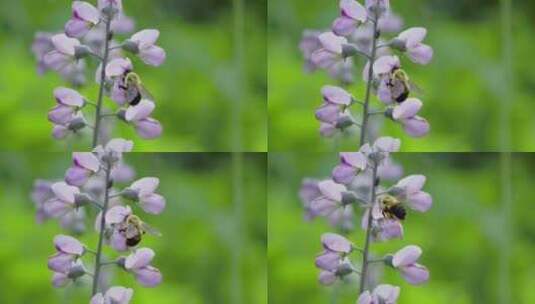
138,263
405,261
114,295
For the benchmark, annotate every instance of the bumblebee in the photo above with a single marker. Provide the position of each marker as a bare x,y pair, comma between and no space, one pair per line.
135,90
134,228
392,208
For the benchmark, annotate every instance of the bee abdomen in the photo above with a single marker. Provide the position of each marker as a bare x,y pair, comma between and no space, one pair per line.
133,241
398,211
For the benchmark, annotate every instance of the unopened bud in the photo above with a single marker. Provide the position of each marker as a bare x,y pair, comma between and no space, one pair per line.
388,260
399,45
121,262
349,198
121,114
344,269
344,122
130,194
82,199
81,51
349,50
389,113
131,46
76,124
76,271
110,11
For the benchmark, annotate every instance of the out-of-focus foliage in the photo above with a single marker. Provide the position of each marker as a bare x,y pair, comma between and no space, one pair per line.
208,253
462,87
195,89
463,236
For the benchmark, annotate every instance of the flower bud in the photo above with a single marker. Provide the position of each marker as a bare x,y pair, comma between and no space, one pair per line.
344,269
131,46
110,11
389,113
81,51
349,50
76,271
388,260
130,194
398,44
121,262
349,198
77,124
82,199
121,114
344,122
377,157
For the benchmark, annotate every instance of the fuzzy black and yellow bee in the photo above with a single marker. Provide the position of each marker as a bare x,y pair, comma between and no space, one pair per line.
392,208
134,229
135,90
401,85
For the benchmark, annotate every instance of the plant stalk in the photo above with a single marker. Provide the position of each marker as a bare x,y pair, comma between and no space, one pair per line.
98,117
366,251
366,106
98,257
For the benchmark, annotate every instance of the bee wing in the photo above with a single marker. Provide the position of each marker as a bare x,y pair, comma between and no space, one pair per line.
150,230
415,88
144,92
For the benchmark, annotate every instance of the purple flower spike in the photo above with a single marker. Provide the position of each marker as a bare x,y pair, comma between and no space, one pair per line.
139,264
150,53
411,187
382,294
148,200
85,164
138,115
405,261
84,17
353,14
417,51
114,295
63,200
63,55
405,113
351,163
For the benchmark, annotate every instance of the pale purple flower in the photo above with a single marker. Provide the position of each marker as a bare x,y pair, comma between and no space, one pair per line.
382,229
330,199
351,164
114,150
308,192
63,201
144,45
413,124
405,260
390,23
74,221
352,14
85,165
117,70
139,116
42,44
69,102
41,192
114,295
409,190
114,4
389,170
378,6
122,173
62,279
335,101
381,148
308,45
149,201
417,51
332,261
336,243
139,264
69,250
122,24
391,87
382,294
330,52
84,17
63,55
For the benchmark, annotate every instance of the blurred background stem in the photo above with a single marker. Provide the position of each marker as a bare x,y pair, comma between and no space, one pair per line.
236,293
504,282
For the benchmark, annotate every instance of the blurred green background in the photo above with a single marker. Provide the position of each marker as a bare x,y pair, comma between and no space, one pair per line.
196,89
213,248
462,87
464,237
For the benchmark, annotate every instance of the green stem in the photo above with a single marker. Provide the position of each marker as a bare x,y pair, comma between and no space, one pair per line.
366,253
98,258
98,116
366,106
